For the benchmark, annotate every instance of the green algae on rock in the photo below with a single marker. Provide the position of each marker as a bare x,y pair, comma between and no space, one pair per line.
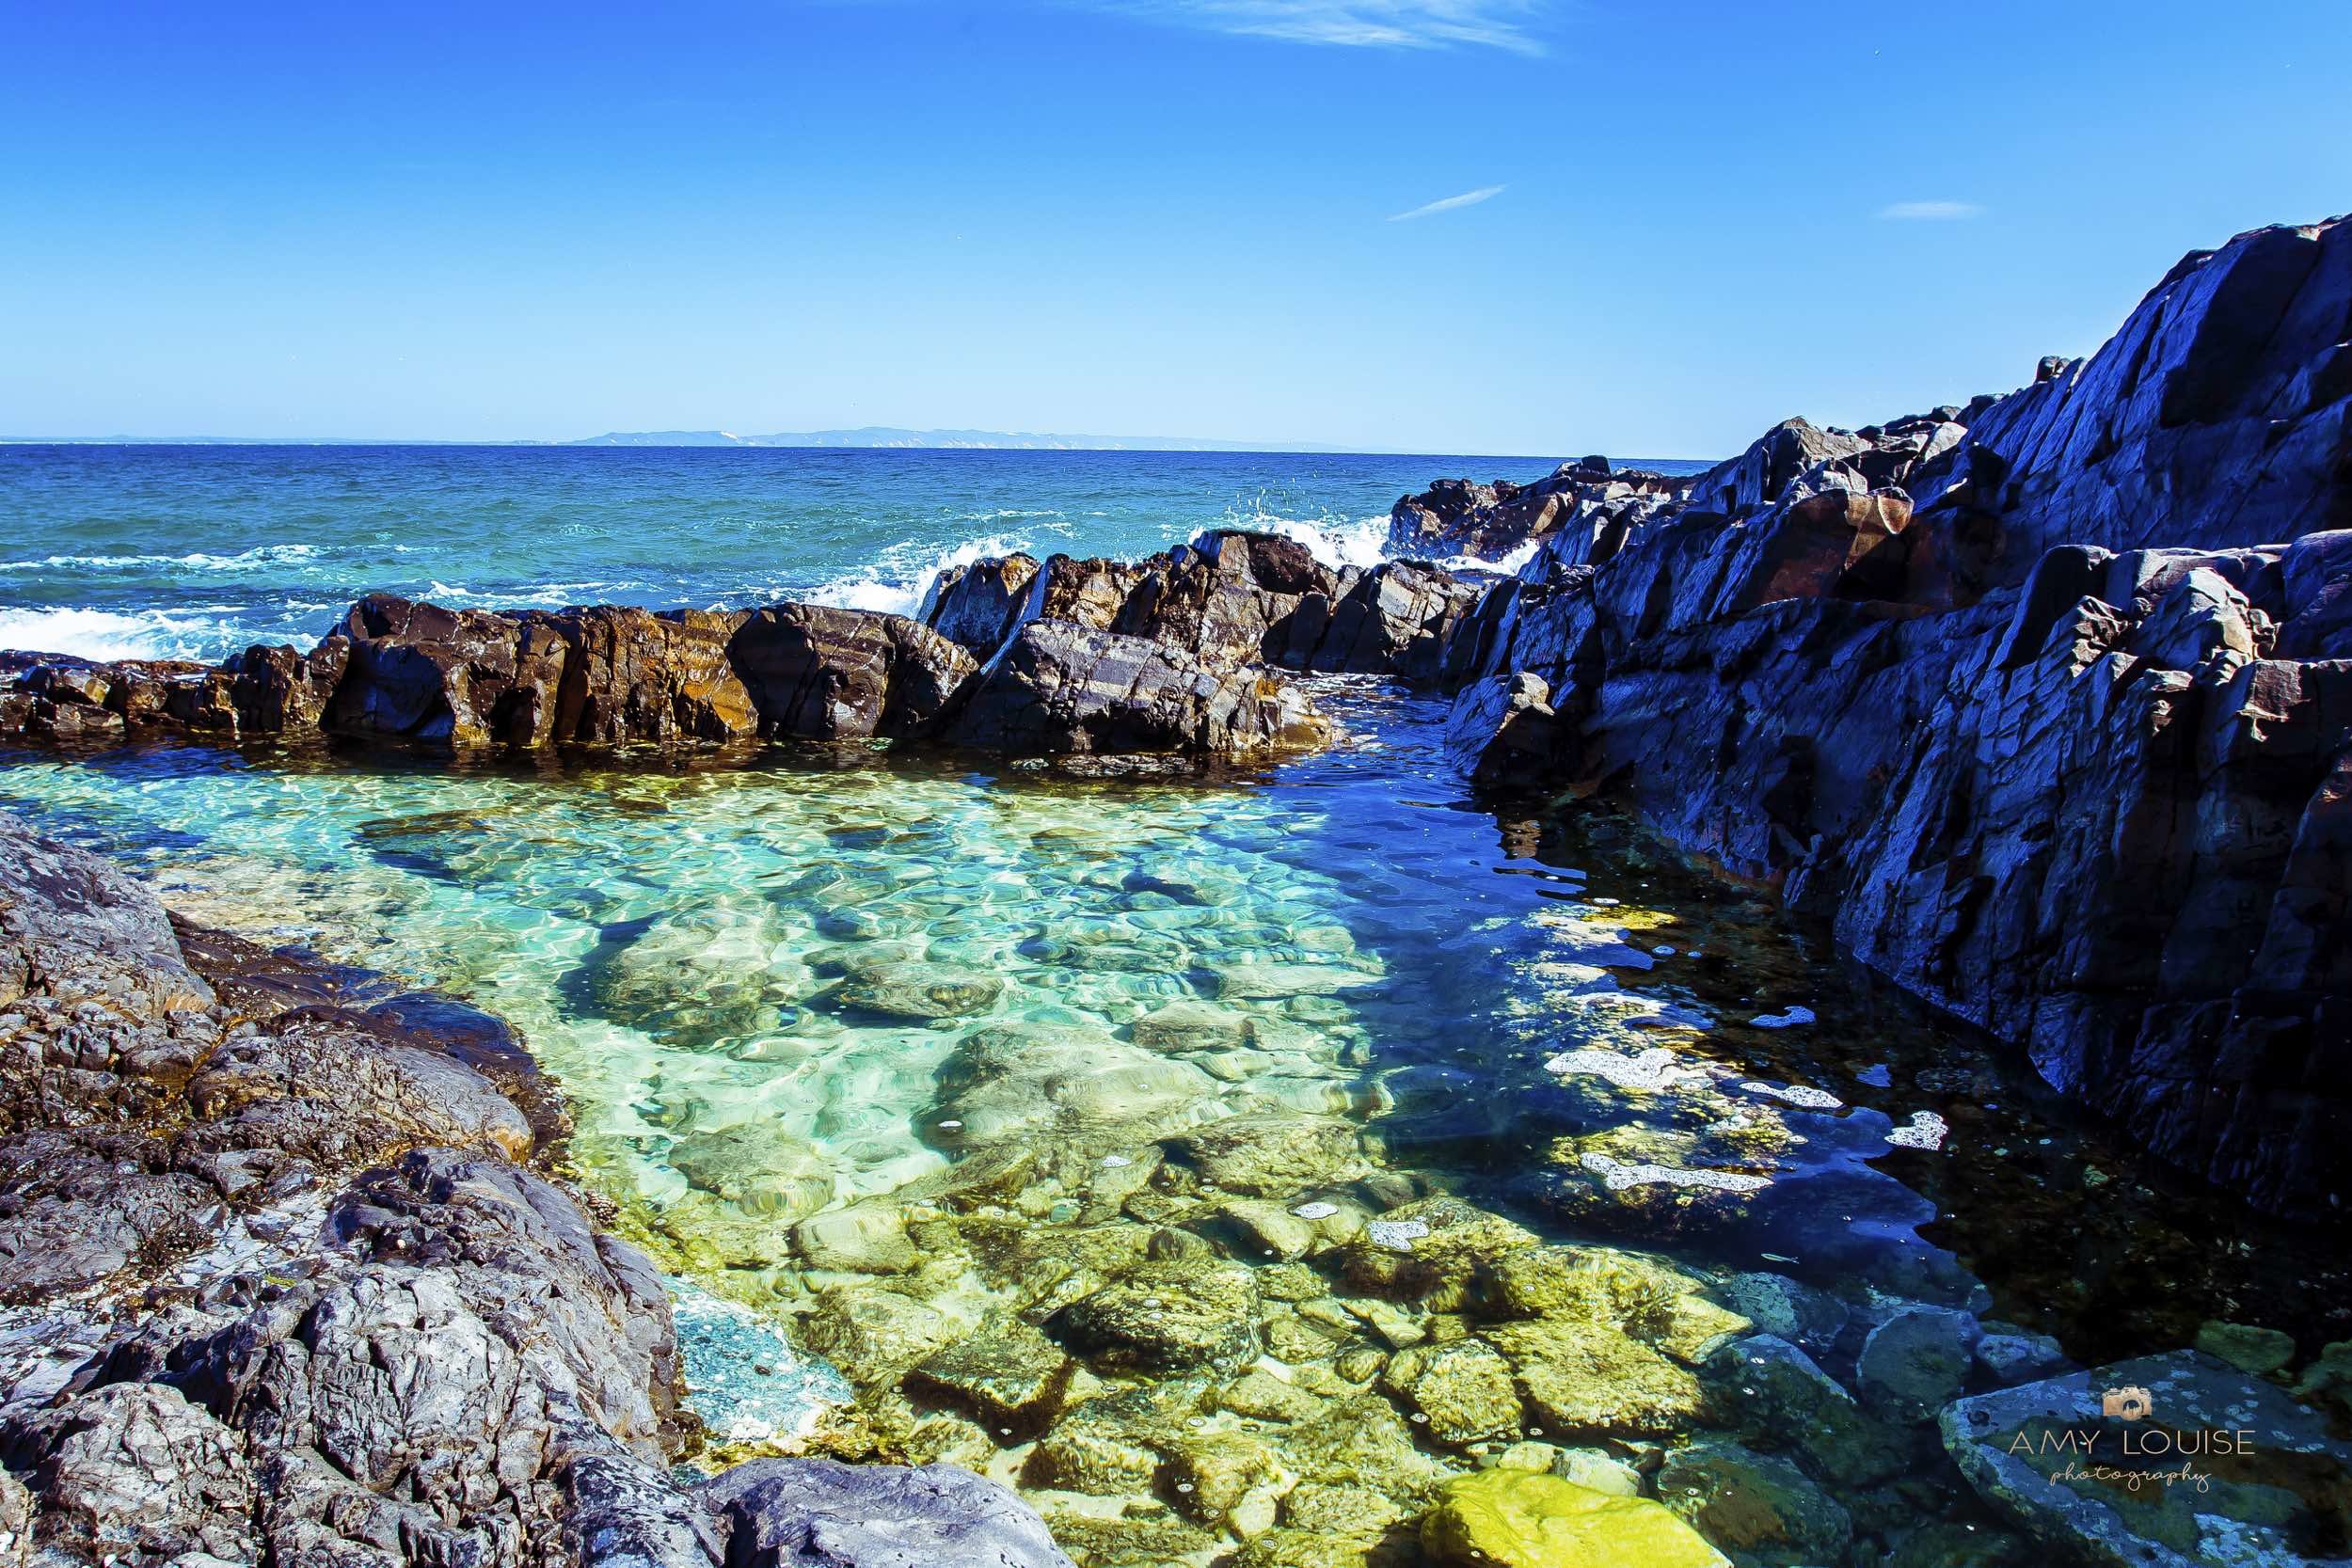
1510,1519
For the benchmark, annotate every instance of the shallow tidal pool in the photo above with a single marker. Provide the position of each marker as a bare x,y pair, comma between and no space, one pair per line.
1227,1165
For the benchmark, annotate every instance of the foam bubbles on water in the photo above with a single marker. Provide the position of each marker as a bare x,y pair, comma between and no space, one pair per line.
901,582
105,634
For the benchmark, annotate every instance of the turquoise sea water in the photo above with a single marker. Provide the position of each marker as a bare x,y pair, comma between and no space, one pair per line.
882,1053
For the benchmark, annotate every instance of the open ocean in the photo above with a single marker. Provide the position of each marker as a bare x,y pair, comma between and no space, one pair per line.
154,551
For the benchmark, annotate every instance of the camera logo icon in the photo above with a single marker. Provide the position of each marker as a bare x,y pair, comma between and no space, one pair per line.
2126,1403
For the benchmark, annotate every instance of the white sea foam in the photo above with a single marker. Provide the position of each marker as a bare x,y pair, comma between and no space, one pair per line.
1926,1130
103,634
1618,1176
262,555
898,583
1334,541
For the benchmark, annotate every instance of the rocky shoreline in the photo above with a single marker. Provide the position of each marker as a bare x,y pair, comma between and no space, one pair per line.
286,1281
2043,703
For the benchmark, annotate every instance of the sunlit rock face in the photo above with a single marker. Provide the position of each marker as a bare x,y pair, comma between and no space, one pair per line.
2041,702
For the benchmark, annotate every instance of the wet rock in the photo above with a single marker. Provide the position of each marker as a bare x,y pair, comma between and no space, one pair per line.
2264,1474
1509,1519
1586,1379
1262,1397
1110,1445
817,1514
874,1335
1462,1391
2328,1379
981,605
1772,1397
2052,657
1276,981
1210,1474
1958,1545
1163,1317
2253,1350
1061,689
1185,1026
2008,1358
1439,1252
1760,1507
921,991
632,676
1389,1324
1916,1361
1262,1229
1011,1376
1271,1156
759,1170
1599,1470
821,674
1361,1441
455,677
864,1238
1602,1282
1787,1309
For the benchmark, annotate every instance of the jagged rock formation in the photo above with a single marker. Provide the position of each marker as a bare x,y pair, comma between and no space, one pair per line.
1065,657
1487,522
1231,599
282,1287
2050,713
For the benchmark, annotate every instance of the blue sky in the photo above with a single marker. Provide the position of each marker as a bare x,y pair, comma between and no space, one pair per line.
1501,226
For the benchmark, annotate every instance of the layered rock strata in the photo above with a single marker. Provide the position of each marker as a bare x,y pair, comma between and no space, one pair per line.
2045,704
283,1284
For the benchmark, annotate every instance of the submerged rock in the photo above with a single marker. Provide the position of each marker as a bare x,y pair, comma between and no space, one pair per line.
920,990
1582,1379
1761,1507
1511,1519
1011,1376
1918,1360
1272,1156
1184,1315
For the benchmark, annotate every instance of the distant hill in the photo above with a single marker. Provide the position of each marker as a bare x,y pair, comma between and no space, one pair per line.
888,436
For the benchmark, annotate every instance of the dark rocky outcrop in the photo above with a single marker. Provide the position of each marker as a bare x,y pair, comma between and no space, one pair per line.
1487,522
612,677
1230,600
1060,689
281,1286
2045,703
818,673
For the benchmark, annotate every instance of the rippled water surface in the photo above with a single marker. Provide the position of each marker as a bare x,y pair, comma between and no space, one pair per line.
195,552
1016,1097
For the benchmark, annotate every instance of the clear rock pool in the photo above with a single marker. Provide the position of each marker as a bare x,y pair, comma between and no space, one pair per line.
1226,1164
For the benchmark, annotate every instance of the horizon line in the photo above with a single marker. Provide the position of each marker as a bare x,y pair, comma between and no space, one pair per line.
1169,446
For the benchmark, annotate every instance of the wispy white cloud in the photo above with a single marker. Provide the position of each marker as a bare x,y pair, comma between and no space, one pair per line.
1362,24
1468,199
1930,212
